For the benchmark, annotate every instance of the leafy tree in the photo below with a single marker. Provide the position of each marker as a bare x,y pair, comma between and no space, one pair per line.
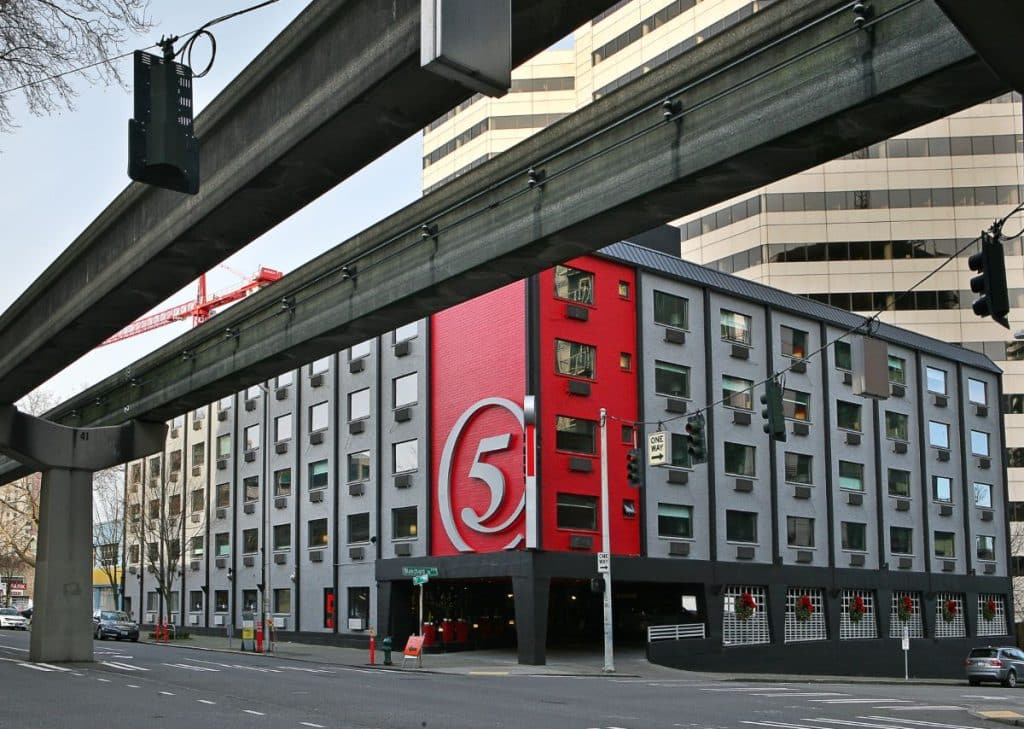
42,41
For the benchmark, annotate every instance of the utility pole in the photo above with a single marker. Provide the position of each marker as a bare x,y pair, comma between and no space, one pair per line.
604,559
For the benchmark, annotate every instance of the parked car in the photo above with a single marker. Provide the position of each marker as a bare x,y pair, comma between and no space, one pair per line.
11,618
114,624
1005,665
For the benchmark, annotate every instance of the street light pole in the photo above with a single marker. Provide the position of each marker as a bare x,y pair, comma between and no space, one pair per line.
609,658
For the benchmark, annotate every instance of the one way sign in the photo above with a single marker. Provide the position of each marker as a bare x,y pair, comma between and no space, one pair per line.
656,447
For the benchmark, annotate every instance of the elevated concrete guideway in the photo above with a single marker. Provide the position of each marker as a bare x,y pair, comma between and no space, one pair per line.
335,90
796,85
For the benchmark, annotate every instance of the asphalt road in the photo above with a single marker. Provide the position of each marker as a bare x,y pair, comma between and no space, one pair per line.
152,686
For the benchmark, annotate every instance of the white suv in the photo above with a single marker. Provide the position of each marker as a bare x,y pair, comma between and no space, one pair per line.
11,618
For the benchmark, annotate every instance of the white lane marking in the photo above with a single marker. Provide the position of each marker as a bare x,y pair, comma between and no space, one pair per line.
167,693
315,726
187,667
13,648
737,689
53,667
103,680
123,666
859,701
34,667
781,725
918,722
207,702
802,694
923,707
132,685
983,696
307,670
254,713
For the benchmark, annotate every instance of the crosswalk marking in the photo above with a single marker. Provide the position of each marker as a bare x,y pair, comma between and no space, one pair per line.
918,722
188,667
315,726
54,668
859,701
123,666
103,680
739,689
167,693
35,667
207,702
307,670
259,669
781,725
925,707
254,713
801,694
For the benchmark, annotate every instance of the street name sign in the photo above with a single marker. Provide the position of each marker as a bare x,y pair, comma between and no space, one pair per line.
420,579
417,571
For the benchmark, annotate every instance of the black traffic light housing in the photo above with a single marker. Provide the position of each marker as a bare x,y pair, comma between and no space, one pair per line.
696,439
775,417
634,474
994,301
162,149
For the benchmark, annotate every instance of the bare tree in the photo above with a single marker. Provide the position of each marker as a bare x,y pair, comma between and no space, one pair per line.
108,526
10,566
42,41
1017,550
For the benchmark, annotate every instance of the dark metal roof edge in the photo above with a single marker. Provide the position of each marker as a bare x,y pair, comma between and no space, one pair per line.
694,273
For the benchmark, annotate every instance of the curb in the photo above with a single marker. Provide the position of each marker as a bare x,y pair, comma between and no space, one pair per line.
1016,720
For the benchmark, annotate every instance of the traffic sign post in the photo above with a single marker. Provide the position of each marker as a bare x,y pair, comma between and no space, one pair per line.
906,653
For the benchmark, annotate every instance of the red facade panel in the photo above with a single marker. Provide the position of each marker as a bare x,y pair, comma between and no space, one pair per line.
478,381
572,321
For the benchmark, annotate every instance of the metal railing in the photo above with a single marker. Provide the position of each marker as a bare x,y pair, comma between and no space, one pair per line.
675,632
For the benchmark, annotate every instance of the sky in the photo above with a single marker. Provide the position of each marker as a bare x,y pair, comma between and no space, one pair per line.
58,173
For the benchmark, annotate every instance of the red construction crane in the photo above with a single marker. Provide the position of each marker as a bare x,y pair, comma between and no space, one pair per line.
198,310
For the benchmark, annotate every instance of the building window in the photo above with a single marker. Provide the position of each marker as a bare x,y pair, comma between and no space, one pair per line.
899,483
358,351
897,370
798,468
136,473
901,540
223,495
221,544
794,343
405,456
741,526
986,547
223,446
811,627
942,489
152,552
250,541
220,601
252,392
936,380
735,327
844,356
359,466
317,533
135,511
359,404
979,443
403,523
282,537
983,495
407,331
404,390
573,284
174,505
851,476
196,546
623,289
283,380
252,437
945,544
997,625
679,455
938,434
575,435
154,508
133,553
576,511
359,604
896,426
574,359
318,417
358,528
174,464
198,453
251,488
320,366
977,391
283,482
854,536
848,415
283,427
737,392
671,311
752,630
796,405
282,600
739,459
226,402
198,500
625,361
318,474
799,531
671,379
862,601
675,521
154,467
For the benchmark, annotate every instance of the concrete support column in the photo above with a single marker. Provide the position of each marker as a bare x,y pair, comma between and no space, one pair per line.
972,616
883,609
777,612
531,603
67,457
63,589
714,603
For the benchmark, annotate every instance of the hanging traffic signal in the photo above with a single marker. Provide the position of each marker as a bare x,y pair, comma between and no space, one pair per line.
162,149
775,417
696,445
633,473
994,301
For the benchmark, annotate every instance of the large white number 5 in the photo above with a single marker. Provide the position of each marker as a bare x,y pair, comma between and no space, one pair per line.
495,480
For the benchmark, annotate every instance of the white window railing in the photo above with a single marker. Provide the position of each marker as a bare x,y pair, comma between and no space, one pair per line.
675,632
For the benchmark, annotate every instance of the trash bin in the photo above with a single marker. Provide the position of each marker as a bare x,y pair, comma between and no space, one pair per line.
248,631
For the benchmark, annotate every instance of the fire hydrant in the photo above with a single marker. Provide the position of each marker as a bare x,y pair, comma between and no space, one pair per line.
385,645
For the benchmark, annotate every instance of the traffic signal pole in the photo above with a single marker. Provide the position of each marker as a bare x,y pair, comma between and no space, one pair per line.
606,547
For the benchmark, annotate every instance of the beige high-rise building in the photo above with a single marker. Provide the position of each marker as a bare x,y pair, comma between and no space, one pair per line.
856,232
